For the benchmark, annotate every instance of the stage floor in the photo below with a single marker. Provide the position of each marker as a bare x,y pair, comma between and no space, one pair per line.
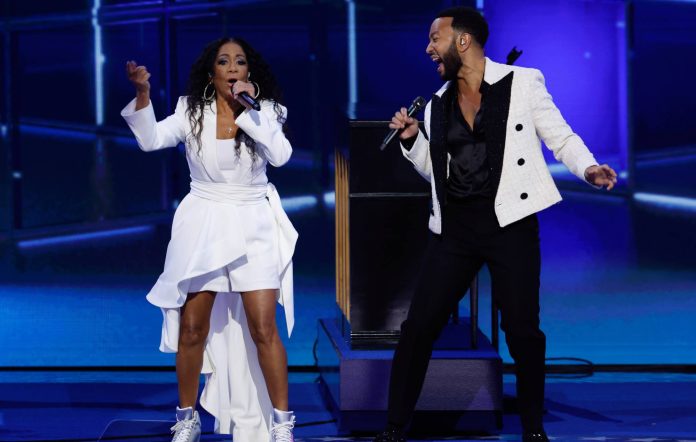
618,286
79,406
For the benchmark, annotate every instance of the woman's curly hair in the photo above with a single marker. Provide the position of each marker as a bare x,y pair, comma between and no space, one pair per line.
199,77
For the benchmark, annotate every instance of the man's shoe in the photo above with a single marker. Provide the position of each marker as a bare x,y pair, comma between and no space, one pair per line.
535,436
188,426
391,435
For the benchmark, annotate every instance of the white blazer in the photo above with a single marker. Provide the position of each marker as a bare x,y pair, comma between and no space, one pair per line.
263,126
526,185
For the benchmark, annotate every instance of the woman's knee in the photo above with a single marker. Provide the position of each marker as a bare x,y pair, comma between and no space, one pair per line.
263,332
192,333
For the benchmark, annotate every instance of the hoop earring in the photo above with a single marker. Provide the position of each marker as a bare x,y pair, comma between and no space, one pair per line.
258,88
205,92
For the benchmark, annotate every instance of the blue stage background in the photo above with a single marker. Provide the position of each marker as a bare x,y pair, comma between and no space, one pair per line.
85,215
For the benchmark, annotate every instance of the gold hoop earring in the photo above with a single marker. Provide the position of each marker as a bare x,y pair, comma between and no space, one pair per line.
258,88
205,92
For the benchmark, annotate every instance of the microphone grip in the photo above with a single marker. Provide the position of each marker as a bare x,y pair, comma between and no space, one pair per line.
388,139
417,105
250,101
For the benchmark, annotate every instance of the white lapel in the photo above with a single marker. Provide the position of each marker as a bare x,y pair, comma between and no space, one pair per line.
442,89
209,142
494,72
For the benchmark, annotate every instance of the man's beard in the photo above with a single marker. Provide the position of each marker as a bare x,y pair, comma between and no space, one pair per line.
451,63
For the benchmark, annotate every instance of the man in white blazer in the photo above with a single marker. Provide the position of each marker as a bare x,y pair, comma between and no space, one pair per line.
482,155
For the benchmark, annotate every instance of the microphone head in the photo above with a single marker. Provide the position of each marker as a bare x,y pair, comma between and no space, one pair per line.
416,106
419,102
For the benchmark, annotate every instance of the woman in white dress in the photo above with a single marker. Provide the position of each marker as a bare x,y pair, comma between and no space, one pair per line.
230,255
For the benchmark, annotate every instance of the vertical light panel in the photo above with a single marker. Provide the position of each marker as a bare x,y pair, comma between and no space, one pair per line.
622,99
98,64
352,60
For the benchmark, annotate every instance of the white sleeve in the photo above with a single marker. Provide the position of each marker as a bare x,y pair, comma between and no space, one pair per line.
565,144
419,154
264,128
152,134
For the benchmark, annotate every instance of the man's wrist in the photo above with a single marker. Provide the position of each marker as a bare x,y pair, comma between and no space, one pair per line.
409,142
587,169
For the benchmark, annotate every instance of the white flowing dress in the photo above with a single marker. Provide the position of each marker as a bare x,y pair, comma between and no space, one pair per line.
229,235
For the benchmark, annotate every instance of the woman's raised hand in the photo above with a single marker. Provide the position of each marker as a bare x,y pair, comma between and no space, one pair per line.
242,86
139,76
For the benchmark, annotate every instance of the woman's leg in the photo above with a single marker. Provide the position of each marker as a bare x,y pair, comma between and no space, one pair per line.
260,308
193,332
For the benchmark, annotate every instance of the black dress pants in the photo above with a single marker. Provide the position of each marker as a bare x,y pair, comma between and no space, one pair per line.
470,238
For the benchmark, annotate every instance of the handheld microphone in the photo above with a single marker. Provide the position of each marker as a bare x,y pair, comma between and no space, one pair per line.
416,106
250,101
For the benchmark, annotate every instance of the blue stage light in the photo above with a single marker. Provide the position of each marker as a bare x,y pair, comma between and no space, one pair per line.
352,61
57,132
80,237
298,203
330,199
98,64
667,201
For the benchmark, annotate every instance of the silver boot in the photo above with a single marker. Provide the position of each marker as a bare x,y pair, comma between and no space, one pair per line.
282,425
188,426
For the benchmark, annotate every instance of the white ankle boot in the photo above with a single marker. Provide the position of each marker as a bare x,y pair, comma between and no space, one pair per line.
282,425
188,425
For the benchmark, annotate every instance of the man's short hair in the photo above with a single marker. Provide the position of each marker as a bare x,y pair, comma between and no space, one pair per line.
468,20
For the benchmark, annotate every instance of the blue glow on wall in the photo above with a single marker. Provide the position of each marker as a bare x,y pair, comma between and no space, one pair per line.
578,45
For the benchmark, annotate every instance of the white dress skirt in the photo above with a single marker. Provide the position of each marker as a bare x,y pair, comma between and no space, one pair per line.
258,268
229,235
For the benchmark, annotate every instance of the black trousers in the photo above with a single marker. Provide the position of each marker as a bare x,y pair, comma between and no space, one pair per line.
470,238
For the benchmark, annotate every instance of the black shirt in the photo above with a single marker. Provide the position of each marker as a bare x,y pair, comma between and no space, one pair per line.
469,171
